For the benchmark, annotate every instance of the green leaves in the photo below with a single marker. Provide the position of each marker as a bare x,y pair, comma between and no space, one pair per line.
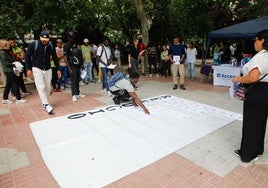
119,19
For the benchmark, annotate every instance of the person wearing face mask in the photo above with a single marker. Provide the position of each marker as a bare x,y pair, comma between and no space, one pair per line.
38,66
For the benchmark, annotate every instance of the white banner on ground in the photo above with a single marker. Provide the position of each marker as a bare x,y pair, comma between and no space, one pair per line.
96,147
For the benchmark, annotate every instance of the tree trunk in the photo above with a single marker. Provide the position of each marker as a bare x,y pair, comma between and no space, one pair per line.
144,28
204,48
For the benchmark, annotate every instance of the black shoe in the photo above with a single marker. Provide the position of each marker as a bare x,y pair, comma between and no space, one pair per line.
142,74
182,87
116,100
175,87
237,153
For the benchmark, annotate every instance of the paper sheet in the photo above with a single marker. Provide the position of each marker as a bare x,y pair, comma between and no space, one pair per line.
233,89
177,58
111,66
83,73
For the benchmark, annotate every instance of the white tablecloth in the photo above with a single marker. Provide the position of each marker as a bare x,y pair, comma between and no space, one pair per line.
223,75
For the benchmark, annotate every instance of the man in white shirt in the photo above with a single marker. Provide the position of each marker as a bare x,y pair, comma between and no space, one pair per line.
104,57
87,60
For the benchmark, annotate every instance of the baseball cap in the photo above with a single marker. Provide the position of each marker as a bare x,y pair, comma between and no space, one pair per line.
44,35
86,40
59,41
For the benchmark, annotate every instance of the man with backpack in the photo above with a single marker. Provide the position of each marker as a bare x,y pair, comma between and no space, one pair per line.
104,57
37,63
123,87
74,60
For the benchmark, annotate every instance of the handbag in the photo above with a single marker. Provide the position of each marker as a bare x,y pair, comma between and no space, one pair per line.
241,90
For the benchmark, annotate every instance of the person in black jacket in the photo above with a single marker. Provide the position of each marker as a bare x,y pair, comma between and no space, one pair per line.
133,56
74,60
38,66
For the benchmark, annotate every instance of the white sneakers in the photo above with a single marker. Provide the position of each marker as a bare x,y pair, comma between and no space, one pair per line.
48,108
6,101
81,83
151,75
21,101
80,96
104,91
75,97
107,92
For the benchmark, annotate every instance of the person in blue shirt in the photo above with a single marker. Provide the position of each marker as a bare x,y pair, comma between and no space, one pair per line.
176,55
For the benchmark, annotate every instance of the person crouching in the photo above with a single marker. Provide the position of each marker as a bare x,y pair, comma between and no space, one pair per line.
124,88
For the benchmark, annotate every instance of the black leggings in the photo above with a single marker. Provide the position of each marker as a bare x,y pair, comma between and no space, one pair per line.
75,79
152,62
12,82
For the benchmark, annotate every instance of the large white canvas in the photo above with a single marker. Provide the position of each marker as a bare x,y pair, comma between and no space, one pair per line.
96,147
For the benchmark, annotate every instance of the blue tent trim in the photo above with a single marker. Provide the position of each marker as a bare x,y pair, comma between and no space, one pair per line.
247,29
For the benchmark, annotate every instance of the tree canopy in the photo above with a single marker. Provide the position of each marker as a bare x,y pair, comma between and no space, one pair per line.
122,20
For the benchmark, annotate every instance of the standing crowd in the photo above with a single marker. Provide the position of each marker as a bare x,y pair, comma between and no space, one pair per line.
66,64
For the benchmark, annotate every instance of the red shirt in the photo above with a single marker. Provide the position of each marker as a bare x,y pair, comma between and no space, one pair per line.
141,47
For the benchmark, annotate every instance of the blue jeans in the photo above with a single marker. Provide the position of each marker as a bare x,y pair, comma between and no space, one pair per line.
88,67
134,65
104,78
95,66
191,69
64,76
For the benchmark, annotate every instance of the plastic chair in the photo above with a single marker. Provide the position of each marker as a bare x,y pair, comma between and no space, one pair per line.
206,71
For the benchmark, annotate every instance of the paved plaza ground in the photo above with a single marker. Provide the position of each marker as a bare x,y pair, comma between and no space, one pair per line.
207,162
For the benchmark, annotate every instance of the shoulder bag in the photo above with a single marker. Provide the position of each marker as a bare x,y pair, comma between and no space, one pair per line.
241,90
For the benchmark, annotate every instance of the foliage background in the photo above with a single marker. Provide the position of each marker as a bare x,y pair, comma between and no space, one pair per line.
119,19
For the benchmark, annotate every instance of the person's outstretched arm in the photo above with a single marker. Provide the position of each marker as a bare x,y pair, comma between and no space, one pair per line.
137,101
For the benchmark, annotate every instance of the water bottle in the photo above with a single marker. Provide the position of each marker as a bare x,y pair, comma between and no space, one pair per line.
233,62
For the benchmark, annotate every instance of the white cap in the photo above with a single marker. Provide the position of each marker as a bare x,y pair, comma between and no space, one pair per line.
86,40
